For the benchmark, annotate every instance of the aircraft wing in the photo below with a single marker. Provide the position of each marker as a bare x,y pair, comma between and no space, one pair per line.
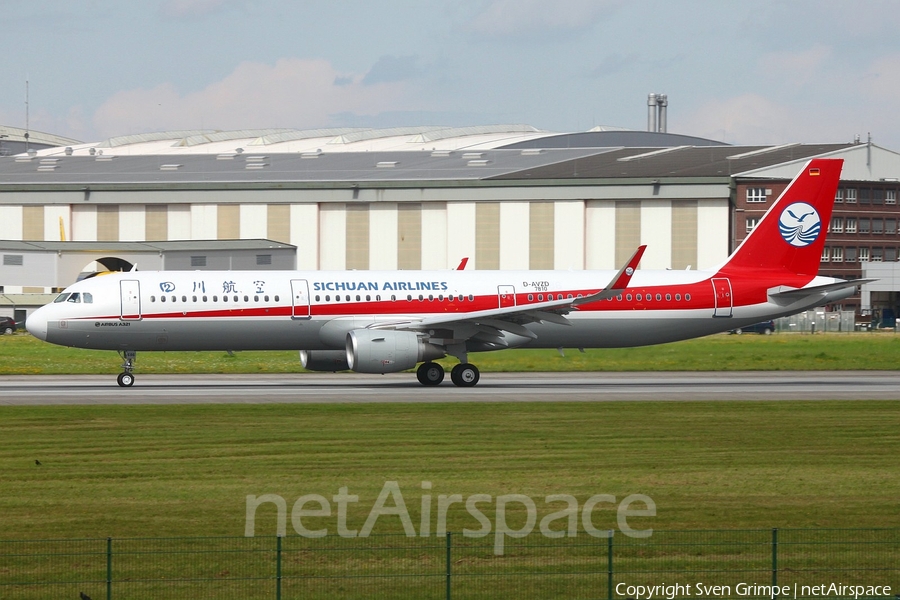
512,318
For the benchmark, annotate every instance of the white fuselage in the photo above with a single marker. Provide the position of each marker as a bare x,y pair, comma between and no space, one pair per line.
314,310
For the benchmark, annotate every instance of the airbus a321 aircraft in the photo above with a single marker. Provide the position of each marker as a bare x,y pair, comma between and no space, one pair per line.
390,321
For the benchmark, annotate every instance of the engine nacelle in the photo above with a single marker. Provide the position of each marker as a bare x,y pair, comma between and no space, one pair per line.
324,360
387,351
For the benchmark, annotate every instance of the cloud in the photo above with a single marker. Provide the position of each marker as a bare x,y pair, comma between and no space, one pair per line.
390,69
746,119
613,64
180,9
293,92
538,17
796,68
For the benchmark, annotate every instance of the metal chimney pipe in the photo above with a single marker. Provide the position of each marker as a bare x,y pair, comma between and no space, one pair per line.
662,102
651,112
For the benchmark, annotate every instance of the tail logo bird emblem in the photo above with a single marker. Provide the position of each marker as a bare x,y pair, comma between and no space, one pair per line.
800,224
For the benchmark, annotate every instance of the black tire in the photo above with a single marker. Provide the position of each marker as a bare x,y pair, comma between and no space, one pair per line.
430,373
465,375
738,331
125,380
767,331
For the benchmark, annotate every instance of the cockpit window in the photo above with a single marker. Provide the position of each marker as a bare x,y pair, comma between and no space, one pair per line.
62,297
87,298
75,297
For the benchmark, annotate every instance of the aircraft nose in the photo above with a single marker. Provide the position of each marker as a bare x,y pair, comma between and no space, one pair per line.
36,324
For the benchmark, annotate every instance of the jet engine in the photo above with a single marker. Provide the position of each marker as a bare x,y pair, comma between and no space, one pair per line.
387,351
324,360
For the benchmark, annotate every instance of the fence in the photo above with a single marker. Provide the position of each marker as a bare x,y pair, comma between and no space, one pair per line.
455,566
813,321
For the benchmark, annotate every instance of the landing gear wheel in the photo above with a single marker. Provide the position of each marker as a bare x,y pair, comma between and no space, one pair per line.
465,375
125,379
430,373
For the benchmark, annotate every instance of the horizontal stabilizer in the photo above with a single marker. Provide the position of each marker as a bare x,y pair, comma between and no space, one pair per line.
789,292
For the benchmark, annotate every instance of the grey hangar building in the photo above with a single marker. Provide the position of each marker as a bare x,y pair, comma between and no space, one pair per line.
505,197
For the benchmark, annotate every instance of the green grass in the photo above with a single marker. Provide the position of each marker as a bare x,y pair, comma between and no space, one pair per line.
172,471
22,354
186,470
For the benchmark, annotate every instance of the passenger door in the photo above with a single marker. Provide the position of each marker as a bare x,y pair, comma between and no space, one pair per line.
130,294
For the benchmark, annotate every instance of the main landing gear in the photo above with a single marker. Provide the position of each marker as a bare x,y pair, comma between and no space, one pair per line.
126,377
462,375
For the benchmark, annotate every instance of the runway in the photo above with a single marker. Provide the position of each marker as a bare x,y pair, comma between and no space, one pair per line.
311,388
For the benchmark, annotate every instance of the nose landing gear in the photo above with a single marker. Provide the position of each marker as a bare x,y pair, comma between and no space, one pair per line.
126,377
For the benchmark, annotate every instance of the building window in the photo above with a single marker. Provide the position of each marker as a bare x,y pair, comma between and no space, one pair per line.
877,254
865,196
850,255
864,226
264,259
890,197
863,255
878,226
850,196
851,225
198,261
890,226
877,196
837,255
826,254
837,225
13,260
752,222
756,195
890,254
839,196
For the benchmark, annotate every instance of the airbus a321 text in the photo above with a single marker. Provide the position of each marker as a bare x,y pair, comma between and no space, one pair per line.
389,321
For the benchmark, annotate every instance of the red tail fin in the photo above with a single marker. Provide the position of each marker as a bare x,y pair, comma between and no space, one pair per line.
790,236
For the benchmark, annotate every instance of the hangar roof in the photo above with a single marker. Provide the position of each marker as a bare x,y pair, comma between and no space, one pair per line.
351,139
396,167
152,247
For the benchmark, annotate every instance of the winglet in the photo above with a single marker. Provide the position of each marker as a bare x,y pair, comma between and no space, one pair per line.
462,264
620,281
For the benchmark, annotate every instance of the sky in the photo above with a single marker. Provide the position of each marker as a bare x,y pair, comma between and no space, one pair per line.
762,72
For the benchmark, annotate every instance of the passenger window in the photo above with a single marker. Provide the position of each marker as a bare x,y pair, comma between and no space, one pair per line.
257,298
266,298
471,298
639,297
678,297
628,297
328,298
358,298
162,298
540,297
431,297
668,297
569,296
246,298
204,298
393,297
215,298
368,297
152,298
235,298
687,297
194,299
184,298
530,297
658,297
276,297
